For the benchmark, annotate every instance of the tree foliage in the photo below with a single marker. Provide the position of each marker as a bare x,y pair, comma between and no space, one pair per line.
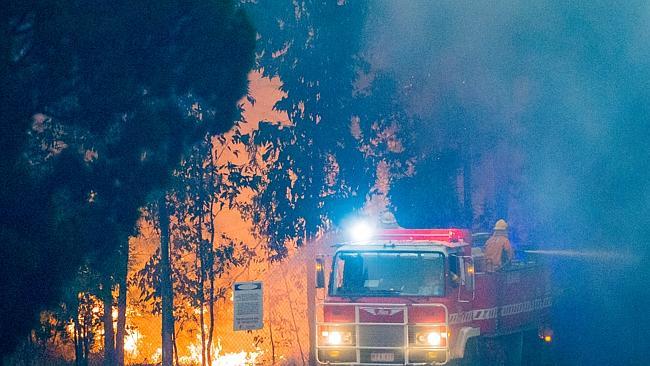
202,187
122,75
320,172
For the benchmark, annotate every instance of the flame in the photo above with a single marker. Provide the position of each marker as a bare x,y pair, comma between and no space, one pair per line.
156,357
69,328
241,358
131,343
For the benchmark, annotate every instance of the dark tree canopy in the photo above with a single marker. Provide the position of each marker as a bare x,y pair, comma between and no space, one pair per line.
318,160
121,78
339,111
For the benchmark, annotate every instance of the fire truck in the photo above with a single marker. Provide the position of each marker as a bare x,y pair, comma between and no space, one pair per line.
427,297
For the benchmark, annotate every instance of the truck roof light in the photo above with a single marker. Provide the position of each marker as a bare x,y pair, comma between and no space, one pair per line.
361,231
452,235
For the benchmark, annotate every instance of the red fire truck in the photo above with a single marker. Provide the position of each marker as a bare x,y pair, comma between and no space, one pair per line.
426,297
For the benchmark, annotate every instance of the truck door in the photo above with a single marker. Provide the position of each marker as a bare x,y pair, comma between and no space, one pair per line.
462,272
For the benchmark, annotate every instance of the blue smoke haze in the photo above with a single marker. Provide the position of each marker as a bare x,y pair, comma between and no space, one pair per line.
559,93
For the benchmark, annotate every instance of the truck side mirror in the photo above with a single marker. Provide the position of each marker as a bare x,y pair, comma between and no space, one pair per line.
468,273
466,291
320,273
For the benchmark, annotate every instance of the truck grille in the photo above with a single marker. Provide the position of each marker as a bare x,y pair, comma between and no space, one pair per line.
381,335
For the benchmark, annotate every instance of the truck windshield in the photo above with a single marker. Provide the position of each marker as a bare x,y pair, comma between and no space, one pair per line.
388,274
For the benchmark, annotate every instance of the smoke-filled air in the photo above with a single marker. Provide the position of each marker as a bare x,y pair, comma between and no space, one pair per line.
331,182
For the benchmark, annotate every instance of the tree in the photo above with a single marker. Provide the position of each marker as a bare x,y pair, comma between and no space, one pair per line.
198,252
120,80
317,158
204,186
166,290
321,172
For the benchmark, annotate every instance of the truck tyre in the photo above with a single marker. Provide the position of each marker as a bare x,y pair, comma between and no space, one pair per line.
504,350
535,351
514,349
472,356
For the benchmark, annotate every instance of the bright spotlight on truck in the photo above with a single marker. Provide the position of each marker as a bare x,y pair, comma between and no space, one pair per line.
361,231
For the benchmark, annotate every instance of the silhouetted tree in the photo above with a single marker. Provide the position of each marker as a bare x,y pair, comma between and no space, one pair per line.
121,74
198,253
320,173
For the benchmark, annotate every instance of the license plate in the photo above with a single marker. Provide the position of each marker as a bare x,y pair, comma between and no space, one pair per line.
382,357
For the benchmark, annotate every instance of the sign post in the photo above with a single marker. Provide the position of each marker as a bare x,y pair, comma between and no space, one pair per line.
248,300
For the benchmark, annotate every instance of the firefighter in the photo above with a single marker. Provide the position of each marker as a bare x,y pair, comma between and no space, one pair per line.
498,251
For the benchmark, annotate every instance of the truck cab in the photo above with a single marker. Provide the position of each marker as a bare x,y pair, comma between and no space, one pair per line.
412,297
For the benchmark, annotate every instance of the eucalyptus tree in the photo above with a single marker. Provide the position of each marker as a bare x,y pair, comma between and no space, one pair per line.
114,71
320,168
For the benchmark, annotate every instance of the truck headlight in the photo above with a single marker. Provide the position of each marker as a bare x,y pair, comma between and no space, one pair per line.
434,338
431,337
336,336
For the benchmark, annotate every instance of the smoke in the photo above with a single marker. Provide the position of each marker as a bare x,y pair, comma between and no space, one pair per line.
552,99
550,91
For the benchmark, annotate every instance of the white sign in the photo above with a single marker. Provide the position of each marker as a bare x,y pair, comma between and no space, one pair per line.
248,305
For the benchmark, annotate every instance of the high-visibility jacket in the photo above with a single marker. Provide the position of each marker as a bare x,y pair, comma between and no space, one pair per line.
497,249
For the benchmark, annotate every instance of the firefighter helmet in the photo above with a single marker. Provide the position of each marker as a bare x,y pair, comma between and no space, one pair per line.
501,225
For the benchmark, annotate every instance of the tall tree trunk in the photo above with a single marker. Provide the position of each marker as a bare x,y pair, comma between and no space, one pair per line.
109,334
176,349
310,249
201,294
467,193
293,319
202,321
202,270
197,268
211,273
84,345
166,285
86,337
78,348
121,305
211,312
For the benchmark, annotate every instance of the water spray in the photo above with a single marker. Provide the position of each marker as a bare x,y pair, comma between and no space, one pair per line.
597,255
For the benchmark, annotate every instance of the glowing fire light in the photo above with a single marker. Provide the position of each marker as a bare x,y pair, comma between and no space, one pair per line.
156,357
131,343
242,358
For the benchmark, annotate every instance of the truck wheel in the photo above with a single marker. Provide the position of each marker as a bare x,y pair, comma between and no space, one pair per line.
503,350
535,351
472,356
493,351
514,344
